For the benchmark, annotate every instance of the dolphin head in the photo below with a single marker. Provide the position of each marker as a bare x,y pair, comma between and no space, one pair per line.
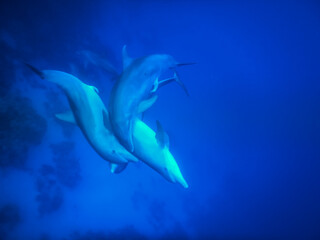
171,170
163,61
64,80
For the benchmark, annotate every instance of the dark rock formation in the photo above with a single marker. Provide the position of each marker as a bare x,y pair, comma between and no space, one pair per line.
20,128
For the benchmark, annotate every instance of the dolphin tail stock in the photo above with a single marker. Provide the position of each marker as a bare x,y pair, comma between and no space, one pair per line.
35,70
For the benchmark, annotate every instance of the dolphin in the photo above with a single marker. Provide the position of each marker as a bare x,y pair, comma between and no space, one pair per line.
93,58
153,149
135,91
90,114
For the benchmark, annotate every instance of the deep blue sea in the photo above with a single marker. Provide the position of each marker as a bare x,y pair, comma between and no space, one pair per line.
247,139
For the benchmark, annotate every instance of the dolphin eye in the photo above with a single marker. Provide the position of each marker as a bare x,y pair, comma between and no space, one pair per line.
113,152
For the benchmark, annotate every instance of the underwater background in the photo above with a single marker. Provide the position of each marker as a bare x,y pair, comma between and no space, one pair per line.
247,139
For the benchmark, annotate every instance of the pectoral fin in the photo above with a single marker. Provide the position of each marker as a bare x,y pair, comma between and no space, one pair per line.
166,81
181,83
117,168
175,78
155,86
144,105
66,117
162,136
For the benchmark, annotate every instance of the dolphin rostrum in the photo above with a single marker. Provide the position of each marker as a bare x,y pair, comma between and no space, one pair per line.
91,115
135,91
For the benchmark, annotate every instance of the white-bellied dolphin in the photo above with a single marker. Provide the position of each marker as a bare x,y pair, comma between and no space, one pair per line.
153,149
90,114
134,91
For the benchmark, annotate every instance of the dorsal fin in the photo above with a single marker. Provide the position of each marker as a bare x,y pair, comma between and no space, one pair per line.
162,136
94,88
126,60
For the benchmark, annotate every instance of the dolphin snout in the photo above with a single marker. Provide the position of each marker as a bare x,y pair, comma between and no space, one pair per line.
183,182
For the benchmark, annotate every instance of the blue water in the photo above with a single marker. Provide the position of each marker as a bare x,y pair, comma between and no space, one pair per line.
247,139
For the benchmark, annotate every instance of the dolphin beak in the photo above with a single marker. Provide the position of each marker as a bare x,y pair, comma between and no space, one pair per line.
35,70
183,182
184,64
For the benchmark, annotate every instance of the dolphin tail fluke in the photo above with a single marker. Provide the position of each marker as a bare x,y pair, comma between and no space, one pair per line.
35,70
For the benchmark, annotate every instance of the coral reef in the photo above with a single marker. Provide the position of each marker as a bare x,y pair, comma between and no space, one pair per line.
65,172
9,218
50,195
127,232
67,166
20,128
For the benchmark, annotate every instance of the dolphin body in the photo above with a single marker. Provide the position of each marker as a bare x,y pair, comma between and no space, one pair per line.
134,91
153,149
88,111
138,82
92,117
